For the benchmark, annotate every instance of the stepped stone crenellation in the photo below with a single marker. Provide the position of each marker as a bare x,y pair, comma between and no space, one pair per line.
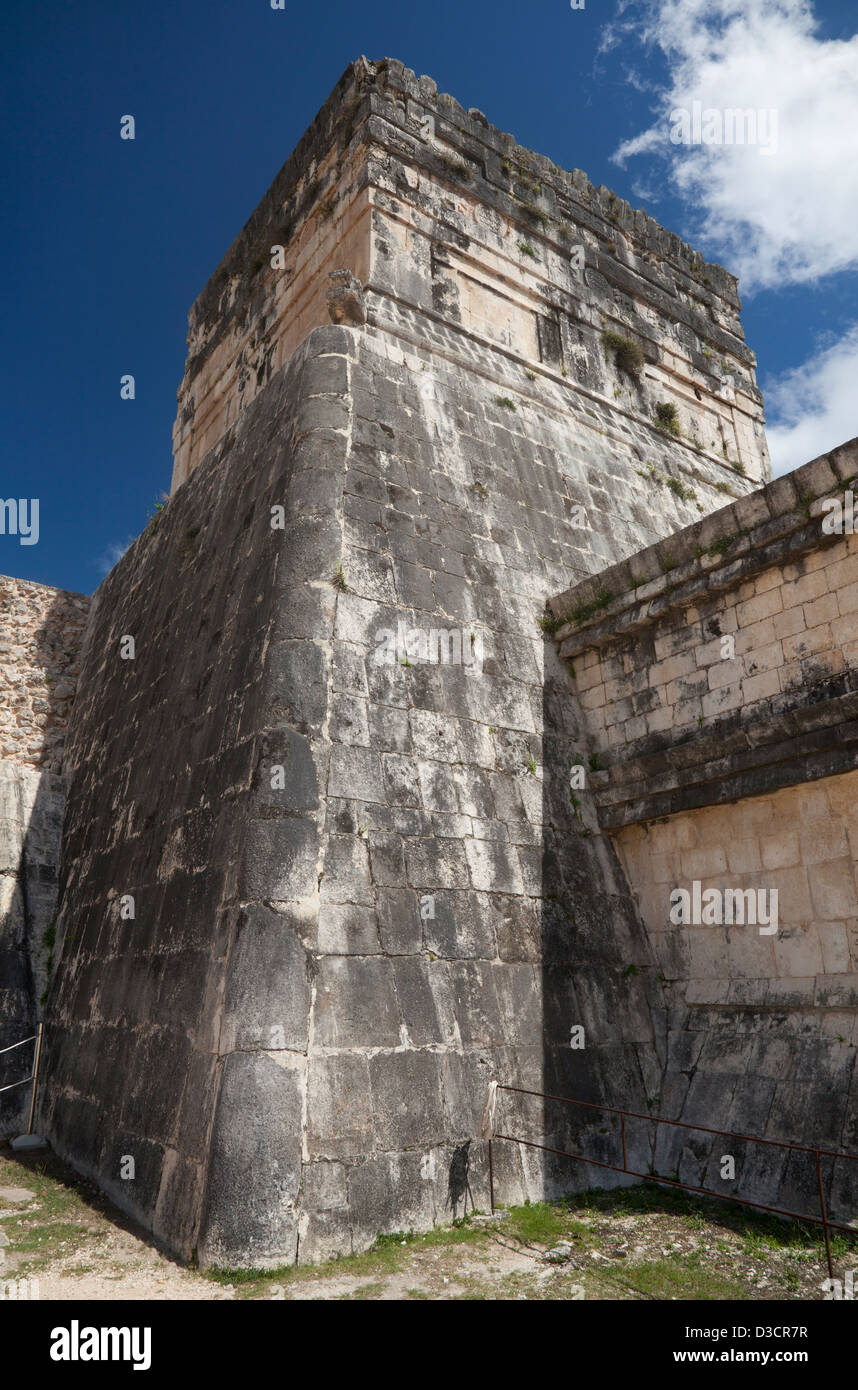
437,212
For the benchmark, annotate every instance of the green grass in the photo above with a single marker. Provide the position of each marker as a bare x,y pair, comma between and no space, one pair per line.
56,1199
720,547
58,1217
366,1291
684,1277
41,1233
154,516
44,1242
389,1254
762,1230
535,213
751,1246
583,611
541,1223
681,490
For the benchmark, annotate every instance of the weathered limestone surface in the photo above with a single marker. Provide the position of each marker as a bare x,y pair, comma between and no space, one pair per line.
41,630
328,1044
720,694
447,787
437,211
682,719
361,887
763,1029
31,809
148,1041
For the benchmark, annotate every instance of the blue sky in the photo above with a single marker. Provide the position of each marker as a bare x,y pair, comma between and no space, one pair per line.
105,242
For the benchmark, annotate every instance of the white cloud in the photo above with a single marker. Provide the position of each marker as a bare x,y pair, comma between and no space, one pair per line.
781,218
112,554
786,217
813,407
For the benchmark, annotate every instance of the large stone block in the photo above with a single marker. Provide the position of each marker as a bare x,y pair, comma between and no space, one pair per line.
255,1166
266,1006
356,1004
407,1100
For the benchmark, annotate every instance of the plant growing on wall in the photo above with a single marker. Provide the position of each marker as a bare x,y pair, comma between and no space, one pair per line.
627,353
667,417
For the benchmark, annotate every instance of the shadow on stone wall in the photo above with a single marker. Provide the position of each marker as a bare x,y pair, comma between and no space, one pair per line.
32,800
645,1050
598,974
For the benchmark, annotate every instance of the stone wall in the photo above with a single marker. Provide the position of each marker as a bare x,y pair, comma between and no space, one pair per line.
437,211
454,898
31,810
718,673
41,630
146,1034
764,1028
803,843
723,661
335,963
362,889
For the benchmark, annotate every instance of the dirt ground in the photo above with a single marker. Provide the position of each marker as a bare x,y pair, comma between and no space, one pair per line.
643,1243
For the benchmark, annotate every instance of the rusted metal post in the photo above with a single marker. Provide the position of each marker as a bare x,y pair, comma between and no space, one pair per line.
35,1077
824,1215
823,1220
491,1180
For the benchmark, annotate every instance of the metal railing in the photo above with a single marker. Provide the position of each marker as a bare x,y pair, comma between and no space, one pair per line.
818,1153
34,1076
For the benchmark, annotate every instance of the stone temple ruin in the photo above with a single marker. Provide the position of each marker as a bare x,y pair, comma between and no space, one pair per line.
356,824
